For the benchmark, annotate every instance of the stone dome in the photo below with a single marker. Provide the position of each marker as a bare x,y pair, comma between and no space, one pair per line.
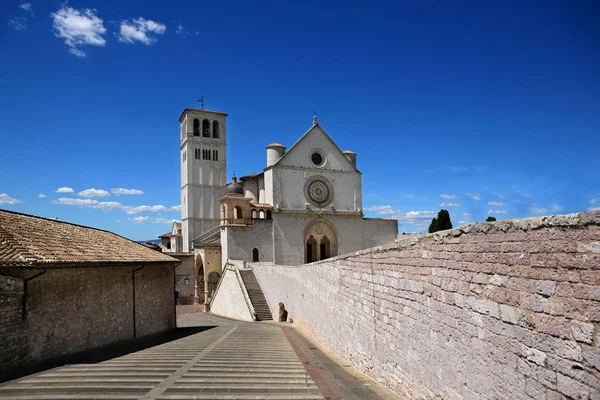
234,187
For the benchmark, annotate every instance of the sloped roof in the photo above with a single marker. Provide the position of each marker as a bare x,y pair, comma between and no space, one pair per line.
28,241
313,127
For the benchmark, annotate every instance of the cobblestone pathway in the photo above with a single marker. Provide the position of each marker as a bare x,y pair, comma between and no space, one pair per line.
228,360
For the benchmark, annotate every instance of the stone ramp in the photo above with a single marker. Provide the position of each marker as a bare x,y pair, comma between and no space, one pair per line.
257,297
231,360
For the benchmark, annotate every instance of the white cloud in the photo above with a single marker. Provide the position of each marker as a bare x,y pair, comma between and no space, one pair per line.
155,208
594,209
595,201
42,195
141,220
78,28
449,205
181,31
449,196
27,7
524,193
120,191
419,220
89,203
18,23
64,189
6,199
537,210
473,196
93,193
140,30
497,212
497,204
554,207
466,215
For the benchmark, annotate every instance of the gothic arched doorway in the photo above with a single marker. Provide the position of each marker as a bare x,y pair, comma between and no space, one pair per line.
320,241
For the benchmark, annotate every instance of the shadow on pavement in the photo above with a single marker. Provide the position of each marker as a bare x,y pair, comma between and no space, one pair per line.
104,353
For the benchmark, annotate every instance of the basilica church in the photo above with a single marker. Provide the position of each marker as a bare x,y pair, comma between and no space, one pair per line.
304,206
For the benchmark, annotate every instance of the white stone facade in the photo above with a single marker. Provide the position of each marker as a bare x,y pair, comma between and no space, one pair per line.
305,206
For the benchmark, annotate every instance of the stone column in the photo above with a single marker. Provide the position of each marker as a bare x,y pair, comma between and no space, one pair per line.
206,303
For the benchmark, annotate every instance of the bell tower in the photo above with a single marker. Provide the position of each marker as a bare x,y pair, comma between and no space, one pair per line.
203,171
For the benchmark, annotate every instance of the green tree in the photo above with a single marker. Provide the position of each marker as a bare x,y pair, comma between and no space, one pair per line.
433,227
441,223
490,219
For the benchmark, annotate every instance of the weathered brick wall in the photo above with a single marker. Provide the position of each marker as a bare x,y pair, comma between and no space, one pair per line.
11,323
504,310
75,309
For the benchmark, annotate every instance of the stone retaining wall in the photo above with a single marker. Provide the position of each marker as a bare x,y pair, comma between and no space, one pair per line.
502,310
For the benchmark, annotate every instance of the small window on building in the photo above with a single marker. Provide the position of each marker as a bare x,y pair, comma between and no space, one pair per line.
184,156
255,255
215,155
196,127
215,129
205,128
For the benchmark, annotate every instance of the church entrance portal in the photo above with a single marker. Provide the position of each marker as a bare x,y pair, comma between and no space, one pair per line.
320,242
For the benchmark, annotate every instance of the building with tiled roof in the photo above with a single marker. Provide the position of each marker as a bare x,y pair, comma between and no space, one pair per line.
66,288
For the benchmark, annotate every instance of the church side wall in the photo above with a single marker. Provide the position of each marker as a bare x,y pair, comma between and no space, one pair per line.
241,240
509,309
75,309
379,231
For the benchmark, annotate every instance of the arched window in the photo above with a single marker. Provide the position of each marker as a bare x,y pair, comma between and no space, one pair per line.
269,214
261,214
237,212
215,129
253,214
205,128
255,255
196,127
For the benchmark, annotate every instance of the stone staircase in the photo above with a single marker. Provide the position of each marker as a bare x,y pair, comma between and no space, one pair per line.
257,297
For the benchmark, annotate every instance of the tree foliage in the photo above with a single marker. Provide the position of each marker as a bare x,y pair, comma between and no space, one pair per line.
490,219
441,223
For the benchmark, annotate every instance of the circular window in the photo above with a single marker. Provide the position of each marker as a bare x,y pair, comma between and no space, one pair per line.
317,158
318,191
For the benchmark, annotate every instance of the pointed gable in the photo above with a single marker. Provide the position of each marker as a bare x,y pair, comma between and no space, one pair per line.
316,140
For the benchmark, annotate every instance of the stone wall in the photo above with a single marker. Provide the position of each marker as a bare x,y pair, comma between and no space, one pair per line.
230,300
502,310
75,309
184,271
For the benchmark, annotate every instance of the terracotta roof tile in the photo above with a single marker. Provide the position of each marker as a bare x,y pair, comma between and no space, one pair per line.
30,240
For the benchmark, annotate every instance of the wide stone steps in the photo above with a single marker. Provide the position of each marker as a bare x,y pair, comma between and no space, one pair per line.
255,361
257,297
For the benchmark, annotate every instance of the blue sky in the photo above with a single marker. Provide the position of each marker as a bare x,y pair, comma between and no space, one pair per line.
483,108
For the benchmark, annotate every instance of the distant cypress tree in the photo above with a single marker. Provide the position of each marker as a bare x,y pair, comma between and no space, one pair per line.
490,219
441,223
433,227
444,220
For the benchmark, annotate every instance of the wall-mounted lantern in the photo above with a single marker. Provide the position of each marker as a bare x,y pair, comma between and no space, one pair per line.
186,281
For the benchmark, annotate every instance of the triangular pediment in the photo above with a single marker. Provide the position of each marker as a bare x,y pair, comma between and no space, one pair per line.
300,155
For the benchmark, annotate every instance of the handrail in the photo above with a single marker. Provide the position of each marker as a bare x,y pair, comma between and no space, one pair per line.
245,293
